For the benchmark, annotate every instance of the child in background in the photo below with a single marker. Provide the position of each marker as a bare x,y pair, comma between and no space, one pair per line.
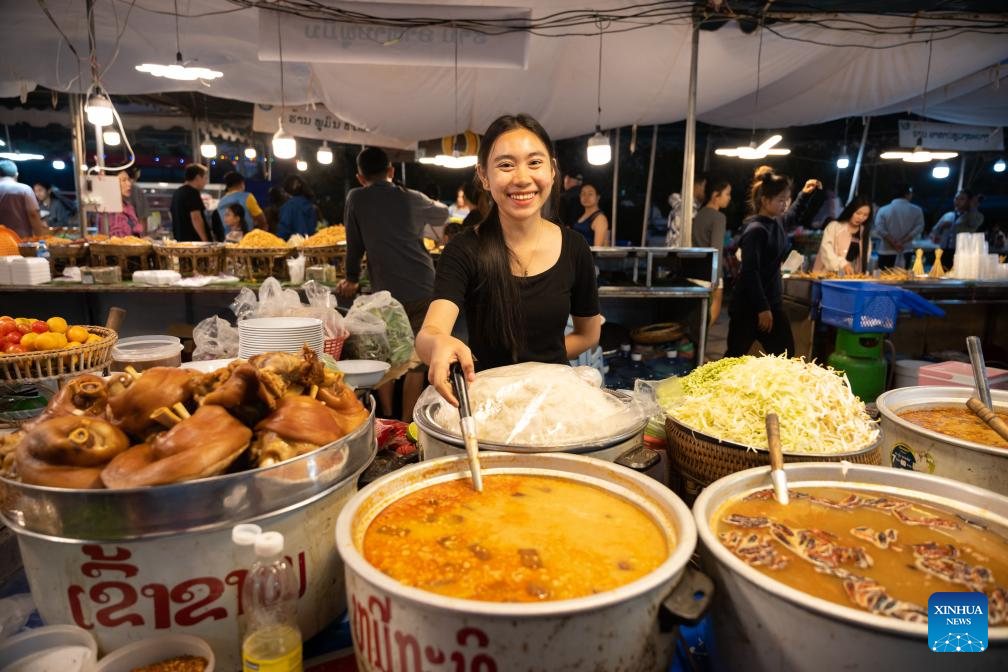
234,218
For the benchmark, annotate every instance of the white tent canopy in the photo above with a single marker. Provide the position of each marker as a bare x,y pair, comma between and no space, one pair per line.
644,78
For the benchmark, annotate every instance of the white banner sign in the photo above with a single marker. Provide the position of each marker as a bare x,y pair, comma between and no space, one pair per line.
951,136
375,37
320,125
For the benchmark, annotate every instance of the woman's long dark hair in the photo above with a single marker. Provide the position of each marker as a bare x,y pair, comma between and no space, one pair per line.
852,207
714,185
499,318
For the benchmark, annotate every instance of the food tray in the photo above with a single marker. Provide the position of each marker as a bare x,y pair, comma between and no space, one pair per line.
255,264
190,259
128,258
701,459
327,254
34,366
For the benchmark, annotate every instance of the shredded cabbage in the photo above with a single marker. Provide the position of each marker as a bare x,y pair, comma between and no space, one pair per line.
730,398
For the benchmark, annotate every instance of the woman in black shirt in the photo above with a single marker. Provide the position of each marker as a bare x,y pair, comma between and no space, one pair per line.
518,276
756,309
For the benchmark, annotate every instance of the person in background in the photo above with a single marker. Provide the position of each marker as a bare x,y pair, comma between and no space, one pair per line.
234,222
517,275
962,219
593,225
138,199
571,209
272,212
125,223
234,192
19,210
476,201
673,237
459,210
451,230
189,221
756,309
709,231
54,209
387,221
298,214
840,249
896,226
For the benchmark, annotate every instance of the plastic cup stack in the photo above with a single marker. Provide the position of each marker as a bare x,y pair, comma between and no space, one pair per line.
972,261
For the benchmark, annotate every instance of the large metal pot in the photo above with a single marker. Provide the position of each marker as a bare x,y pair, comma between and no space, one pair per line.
436,442
396,627
762,624
909,446
130,564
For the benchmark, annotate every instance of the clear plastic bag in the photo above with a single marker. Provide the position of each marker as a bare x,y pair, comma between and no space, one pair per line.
398,334
215,338
367,339
323,306
549,405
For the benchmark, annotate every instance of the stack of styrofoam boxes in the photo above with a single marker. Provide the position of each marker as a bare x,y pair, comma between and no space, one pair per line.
959,374
5,270
29,271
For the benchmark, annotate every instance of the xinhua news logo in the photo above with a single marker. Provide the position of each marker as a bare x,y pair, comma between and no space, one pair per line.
957,622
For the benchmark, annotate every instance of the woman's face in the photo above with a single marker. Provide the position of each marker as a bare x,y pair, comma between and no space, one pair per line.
231,219
722,198
860,215
589,197
518,174
41,193
776,205
125,186
460,199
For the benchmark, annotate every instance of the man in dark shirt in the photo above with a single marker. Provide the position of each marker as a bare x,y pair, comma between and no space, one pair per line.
387,221
189,222
570,201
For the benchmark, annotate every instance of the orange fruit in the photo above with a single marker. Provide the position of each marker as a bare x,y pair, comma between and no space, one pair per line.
28,341
77,334
61,339
57,324
93,338
49,341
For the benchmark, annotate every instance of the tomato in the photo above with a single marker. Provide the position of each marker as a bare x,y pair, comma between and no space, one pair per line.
13,337
39,327
13,348
24,329
7,327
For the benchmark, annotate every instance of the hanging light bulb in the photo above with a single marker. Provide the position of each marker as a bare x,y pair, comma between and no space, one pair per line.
940,171
302,165
111,138
99,110
284,144
752,151
599,149
250,153
843,162
208,149
324,154
58,164
918,154
999,166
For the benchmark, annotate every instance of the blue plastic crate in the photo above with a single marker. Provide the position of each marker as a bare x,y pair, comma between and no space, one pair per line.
861,307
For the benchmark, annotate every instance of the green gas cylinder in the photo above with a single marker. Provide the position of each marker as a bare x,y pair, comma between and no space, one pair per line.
860,357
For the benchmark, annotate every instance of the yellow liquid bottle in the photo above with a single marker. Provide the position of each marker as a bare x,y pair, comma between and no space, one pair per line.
274,648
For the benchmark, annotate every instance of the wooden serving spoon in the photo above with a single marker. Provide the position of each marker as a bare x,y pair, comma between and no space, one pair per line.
988,416
777,475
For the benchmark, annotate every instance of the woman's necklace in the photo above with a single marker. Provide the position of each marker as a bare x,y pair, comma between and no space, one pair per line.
525,266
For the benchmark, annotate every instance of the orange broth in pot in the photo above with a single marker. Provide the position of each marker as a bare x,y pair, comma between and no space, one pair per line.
525,538
957,422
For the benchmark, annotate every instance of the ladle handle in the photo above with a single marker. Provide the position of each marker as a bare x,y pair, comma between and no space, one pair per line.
988,416
116,316
773,442
979,370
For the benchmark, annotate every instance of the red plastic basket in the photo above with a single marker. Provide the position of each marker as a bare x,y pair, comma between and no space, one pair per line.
334,346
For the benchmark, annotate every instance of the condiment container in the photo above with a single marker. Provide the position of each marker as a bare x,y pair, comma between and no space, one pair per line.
146,352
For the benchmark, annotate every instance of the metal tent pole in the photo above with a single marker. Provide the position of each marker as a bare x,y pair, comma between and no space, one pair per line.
962,173
79,156
615,190
650,180
689,151
857,162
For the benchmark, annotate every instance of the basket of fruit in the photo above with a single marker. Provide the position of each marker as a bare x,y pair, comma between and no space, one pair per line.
36,350
189,259
129,253
258,256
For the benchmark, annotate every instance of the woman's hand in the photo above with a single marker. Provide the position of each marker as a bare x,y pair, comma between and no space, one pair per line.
764,321
848,269
811,185
447,349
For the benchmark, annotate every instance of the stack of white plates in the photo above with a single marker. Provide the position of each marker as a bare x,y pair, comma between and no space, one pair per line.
278,334
29,271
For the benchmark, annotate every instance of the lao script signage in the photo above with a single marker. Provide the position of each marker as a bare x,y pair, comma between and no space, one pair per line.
951,136
320,124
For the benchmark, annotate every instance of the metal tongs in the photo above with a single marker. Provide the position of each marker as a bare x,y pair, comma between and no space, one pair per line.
468,423
777,475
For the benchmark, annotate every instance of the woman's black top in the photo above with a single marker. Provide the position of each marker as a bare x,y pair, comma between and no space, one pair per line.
547,299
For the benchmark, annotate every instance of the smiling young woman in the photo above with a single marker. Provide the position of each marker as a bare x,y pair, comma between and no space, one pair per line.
517,275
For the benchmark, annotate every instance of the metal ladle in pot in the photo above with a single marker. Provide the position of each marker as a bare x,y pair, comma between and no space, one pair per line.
777,475
467,423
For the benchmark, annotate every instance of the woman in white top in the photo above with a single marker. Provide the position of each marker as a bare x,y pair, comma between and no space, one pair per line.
840,249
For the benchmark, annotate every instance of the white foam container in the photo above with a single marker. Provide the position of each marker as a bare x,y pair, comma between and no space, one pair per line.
154,650
55,648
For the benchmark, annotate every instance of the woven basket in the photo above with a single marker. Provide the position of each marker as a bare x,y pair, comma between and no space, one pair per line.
654,334
61,256
32,366
327,254
255,264
190,260
128,258
28,249
700,459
